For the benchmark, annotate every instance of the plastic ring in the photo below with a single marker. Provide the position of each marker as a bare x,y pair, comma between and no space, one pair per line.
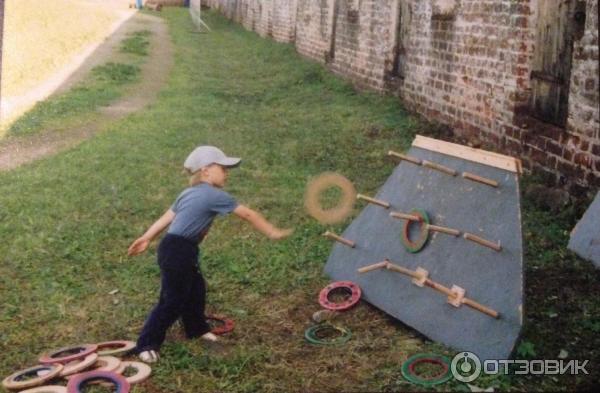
418,244
115,348
226,326
14,381
46,389
78,381
143,371
312,335
408,369
78,365
54,357
355,293
107,364
321,183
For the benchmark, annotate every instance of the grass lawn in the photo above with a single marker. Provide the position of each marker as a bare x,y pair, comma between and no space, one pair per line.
66,222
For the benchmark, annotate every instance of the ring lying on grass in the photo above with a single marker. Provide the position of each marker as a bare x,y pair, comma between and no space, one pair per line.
219,324
142,371
410,372
115,348
326,334
32,376
68,354
103,364
348,286
77,383
79,365
46,389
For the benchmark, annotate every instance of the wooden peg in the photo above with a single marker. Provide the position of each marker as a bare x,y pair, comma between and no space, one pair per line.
403,270
373,200
439,287
340,239
458,294
449,231
378,265
404,216
405,158
482,241
471,176
481,308
441,168
423,274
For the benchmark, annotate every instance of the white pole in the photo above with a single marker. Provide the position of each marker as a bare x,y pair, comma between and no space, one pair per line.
196,13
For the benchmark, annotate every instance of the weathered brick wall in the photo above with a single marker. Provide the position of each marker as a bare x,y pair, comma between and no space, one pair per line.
363,40
264,16
464,63
313,29
581,146
467,66
284,20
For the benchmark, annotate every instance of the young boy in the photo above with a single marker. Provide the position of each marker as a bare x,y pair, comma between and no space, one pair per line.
183,291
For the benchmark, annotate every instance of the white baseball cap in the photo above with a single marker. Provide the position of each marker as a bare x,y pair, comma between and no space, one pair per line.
206,155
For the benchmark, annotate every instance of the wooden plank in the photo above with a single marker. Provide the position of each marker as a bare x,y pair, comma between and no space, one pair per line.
489,158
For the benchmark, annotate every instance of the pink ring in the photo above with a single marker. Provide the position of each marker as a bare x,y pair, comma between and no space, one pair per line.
227,326
354,297
52,357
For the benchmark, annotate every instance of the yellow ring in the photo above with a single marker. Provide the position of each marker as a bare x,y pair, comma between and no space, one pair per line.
319,184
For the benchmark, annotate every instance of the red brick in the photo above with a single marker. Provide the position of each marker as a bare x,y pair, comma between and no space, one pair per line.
583,159
554,148
567,154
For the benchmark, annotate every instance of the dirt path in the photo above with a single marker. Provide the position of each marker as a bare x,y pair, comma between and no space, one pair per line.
16,151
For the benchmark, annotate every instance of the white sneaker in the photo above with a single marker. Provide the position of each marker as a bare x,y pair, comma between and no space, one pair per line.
210,337
149,356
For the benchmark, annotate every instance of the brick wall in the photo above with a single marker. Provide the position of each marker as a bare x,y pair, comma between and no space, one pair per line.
284,20
363,41
312,28
464,63
581,146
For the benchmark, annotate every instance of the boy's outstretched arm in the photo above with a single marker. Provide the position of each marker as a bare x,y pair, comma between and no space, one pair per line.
141,244
261,224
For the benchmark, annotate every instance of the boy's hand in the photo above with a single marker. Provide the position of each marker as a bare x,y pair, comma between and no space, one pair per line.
138,246
278,234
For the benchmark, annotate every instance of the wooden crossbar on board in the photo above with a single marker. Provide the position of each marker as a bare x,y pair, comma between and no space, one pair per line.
489,158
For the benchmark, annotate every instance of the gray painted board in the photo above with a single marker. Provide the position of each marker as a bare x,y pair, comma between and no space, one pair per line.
494,279
585,237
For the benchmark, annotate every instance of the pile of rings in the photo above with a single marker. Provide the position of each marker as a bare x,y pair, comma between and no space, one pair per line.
80,366
326,333
87,364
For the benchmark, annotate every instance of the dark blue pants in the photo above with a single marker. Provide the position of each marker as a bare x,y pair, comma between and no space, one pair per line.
182,294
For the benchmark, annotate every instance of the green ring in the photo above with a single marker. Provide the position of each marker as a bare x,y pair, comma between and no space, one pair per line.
418,245
406,373
311,335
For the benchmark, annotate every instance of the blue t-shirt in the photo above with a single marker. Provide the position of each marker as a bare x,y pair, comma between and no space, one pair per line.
195,209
